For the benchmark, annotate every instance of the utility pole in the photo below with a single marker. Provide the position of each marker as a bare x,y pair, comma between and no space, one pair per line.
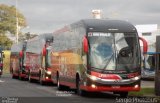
17,27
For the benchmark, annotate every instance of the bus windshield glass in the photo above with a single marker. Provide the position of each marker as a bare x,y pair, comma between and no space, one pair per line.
48,57
150,62
113,51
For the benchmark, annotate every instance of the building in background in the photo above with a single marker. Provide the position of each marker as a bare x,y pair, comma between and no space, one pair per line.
149,33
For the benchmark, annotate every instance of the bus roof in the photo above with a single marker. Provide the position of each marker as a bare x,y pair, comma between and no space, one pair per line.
106,25
35,45
16,48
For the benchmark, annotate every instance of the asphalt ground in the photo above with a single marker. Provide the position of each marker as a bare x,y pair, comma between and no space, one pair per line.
17,91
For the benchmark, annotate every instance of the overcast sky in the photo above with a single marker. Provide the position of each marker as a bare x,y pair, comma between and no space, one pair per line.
47,15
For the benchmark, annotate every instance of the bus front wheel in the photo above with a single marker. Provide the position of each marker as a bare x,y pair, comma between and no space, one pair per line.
29,77
123,94
78,90
41,79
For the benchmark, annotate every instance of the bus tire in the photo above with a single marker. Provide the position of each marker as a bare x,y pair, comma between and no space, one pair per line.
123,94
13,77
20,78
78,89
41,80
59,86
29,77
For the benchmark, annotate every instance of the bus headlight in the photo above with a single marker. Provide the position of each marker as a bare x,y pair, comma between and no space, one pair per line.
136,86
49,72
136,78
93,86
94,78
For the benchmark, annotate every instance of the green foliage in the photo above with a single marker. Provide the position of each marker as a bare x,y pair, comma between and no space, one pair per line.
143,92
5,42
8,20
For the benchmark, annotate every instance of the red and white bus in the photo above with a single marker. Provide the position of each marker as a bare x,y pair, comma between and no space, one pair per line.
1,61
36,59
95,55
17,68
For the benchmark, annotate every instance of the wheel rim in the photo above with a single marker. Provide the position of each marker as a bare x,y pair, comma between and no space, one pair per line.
29,77
58,83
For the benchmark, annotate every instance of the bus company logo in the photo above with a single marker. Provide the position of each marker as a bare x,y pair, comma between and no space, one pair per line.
110,76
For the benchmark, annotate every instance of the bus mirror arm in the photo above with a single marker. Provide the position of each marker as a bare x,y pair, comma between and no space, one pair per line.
44,51
85,44
145,45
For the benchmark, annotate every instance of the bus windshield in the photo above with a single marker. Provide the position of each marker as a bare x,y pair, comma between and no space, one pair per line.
48,57
113,51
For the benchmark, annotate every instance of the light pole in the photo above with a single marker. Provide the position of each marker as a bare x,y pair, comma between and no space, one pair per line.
17,28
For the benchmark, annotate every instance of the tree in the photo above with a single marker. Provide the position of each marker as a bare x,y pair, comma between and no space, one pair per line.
5,42
8,22
8,19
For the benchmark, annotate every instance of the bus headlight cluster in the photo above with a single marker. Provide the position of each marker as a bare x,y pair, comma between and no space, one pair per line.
49,72
93,86
94,78
136,86
136,78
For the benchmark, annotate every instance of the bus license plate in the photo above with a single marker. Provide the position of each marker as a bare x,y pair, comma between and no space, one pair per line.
115,86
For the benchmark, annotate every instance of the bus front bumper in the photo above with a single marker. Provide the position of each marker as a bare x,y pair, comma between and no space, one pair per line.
94,88
95,84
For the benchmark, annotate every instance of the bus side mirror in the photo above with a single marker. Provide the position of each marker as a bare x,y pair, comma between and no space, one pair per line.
44,52
145,45
21,53
85,44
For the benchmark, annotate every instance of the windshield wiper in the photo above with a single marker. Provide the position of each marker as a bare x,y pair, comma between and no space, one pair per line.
107,62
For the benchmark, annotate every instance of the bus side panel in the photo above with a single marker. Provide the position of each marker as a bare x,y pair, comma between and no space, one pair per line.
33,62
55,66
14,65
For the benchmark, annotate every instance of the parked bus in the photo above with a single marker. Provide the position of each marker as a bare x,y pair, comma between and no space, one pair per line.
1,61
148,32
16,60
157,72
148,69
95,55
23,72
36,60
